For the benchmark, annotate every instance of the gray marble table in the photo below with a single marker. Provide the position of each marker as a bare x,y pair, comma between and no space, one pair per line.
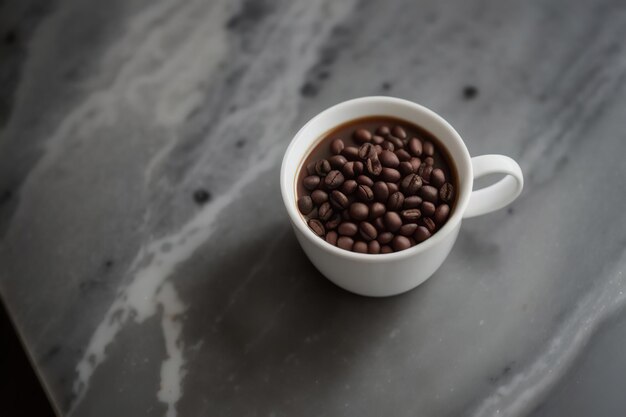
133,299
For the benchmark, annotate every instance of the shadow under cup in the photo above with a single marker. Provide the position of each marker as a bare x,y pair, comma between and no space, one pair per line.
341,266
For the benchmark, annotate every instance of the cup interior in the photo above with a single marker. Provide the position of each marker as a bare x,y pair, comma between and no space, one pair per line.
315,130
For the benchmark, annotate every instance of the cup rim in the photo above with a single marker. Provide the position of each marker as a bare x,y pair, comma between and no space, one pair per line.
287,183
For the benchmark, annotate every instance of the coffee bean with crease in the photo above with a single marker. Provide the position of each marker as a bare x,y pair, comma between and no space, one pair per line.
428,209
337,161
381,191
373,247
325,211
406,168
322,167
379,224
368,231
412,201
367,151
408,229
339,200
333,222
311,182
305,204
378,149
351,153
359,247
365,193
429,193
415,147
336,146
421,234
395,201
317,227
390,175
348,169
392,187
387,146
348,187
411,184
331,237
319,196
397,143
310,168
437,177
374,167
446,192
362,136
364,180
333,180
411,215
402,155
429,224
348,229
425,171
441,214
389,159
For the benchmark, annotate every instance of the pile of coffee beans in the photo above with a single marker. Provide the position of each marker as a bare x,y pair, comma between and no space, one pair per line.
376,185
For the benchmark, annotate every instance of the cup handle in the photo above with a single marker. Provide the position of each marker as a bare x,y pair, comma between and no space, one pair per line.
497,195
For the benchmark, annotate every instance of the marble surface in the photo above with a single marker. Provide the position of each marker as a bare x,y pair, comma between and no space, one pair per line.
133,299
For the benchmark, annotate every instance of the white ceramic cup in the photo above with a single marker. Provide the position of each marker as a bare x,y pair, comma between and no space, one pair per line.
394,273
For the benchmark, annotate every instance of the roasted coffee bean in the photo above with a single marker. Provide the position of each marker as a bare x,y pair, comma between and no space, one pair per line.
397,143
413,242
367,151
345,242
365,193
331,237
411,215
359,211
364,180
348,229
325,211
446,192
392,187
374,166
313,213
415,147
333,180
415,163
428,193
373,247
386,249
429,161
381,191
333,222
398,132
389,159
411,184
437,177
336,146
412,201
388,146
339,199
360,247
311,182
379,224
305,204
377,209
337,161
400,243
421,234
310,168
362,135
379,149
385,237
441,214
430,224
405,168
322,167
351,153
408,229
428,148
425,171
395,201
317,227
368,231
377,140
348,170
359,168
319,196
383,131
390,175
392,220
428,209
402,155
348,187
